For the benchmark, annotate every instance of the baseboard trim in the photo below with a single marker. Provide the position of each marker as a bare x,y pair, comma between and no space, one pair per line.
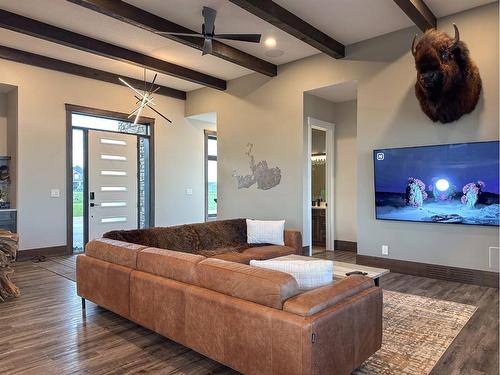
433,271
346,246
23,255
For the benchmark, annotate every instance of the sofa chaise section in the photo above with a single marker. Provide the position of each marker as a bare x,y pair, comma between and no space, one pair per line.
253,320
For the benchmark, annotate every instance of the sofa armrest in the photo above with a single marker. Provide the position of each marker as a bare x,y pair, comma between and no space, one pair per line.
293,238
316,300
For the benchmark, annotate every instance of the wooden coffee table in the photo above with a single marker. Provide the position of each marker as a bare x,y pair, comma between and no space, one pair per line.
340,269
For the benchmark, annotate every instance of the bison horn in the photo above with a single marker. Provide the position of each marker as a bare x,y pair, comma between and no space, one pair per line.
413,45
457,37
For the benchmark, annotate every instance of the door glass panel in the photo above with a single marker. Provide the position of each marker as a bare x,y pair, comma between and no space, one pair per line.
212,187
116,142
99,123
212,146
78,189
144,188
113,173
113,204
113,220
113,188
113,157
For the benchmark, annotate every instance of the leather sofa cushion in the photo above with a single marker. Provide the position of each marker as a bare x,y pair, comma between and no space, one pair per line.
232,256
117,252
255,252
173,265
316,300
265,287
268,252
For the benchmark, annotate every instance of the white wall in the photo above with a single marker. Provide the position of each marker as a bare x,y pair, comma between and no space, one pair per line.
268,112
42,151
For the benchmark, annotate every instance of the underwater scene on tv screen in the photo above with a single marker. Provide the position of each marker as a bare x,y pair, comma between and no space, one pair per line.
455,183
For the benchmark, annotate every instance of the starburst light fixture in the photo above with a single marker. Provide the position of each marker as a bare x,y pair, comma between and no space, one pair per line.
144,99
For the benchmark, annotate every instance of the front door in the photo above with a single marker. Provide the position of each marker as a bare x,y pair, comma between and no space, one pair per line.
112,182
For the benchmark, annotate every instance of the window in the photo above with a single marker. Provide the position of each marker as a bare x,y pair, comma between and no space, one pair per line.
210,175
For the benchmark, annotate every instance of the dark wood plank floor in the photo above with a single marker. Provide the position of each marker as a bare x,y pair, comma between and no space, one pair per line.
475,351
45,332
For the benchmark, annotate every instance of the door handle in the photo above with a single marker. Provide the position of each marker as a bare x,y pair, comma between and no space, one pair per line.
94,204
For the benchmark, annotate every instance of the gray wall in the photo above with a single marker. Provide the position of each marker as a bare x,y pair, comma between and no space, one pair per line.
344,117
345,120
394,119
269,113
38,137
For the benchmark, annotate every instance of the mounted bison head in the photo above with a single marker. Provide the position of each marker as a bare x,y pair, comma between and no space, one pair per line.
448,82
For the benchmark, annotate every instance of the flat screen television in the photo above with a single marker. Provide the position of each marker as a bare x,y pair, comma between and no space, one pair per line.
455,183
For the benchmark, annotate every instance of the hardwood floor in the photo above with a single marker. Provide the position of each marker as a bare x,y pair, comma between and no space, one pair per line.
45,332
475,351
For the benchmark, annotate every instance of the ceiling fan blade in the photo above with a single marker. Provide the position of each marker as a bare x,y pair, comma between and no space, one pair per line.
179,34
209,15
207,47
253,38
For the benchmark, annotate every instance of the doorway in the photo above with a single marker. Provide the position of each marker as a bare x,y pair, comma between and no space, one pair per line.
110,174
319,219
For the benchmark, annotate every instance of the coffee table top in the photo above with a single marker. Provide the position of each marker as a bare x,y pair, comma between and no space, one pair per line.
340,268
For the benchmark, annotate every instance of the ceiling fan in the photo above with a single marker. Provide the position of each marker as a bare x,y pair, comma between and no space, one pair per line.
208,32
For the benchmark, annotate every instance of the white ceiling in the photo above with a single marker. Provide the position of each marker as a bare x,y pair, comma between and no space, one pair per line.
351,21
341,92
348,21
230,19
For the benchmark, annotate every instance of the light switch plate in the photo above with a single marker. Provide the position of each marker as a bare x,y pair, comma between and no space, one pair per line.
55,193
189,191
385,250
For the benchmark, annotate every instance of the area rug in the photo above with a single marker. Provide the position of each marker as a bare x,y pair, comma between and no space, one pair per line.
417,331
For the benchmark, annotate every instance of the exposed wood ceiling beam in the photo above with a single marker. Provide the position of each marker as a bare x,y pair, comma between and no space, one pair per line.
419,13
278,16
55,34
138,17
29,58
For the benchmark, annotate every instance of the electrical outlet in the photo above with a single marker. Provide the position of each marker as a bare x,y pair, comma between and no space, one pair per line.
494,257
385,250
55,193
189,191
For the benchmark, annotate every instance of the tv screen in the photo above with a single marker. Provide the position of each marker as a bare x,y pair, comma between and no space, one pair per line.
456,183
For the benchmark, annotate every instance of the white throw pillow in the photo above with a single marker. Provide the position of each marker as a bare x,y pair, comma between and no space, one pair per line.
310,274
260,231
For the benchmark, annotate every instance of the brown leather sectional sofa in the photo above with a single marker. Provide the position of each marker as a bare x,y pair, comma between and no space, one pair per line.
253,320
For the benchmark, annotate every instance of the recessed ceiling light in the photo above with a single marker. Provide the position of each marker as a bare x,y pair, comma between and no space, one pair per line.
270,42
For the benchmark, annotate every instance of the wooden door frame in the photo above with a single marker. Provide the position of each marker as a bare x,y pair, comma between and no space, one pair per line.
95,112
